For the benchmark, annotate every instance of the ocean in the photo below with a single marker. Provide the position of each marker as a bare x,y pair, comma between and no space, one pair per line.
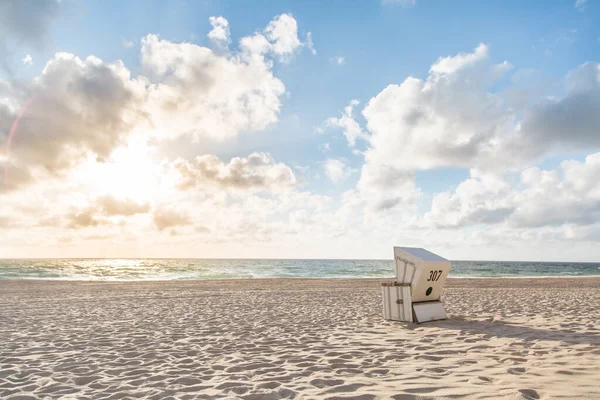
176,269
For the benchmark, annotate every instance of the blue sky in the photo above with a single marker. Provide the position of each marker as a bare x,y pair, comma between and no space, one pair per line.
360,48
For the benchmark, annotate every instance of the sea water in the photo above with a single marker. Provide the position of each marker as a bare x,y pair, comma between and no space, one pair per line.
176,269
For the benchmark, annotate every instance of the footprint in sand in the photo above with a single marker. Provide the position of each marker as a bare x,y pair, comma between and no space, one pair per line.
268,385
563,372
429,358
374,373
357,397
85,380
323,383
482,380
437,371
529,394
516,371
405,396
353,387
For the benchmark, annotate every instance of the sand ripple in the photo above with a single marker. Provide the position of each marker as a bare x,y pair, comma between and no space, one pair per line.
277,339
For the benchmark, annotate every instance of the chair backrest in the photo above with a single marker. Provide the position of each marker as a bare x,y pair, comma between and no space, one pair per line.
425,271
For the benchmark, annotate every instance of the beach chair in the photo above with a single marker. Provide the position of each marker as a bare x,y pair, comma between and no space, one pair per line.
415,294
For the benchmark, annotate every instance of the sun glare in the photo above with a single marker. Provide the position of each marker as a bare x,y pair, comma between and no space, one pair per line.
130,172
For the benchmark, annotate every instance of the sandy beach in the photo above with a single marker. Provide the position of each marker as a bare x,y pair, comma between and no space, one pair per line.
284,338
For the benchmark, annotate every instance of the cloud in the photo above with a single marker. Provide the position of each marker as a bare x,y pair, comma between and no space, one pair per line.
308,43
202,94
453,64
454,119
566,196
82,219
95,213
201,229
481,199
73,108
337,171
111,206
351,128
6,222
580,4
570,122
220,32
254,217
53,221
14,177
447,120
256,172
282,32
165,218
80,108
325,147
382,188
339,60
27,60
279,38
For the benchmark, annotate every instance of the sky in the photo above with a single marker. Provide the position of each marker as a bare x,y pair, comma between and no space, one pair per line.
300,129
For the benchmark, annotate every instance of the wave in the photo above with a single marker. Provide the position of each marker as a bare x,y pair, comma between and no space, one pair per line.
206,269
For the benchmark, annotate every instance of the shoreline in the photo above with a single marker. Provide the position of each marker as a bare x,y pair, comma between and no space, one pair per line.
450,278
284,259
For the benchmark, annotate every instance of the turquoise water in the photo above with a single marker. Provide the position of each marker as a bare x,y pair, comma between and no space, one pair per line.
173,269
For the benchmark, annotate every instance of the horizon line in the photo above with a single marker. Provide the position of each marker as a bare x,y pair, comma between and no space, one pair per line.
282,259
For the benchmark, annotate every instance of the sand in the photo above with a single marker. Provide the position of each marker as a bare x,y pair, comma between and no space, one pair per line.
269,339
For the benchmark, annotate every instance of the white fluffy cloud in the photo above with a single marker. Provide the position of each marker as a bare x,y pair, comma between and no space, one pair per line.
308,43
567,196
383,188
481,199
337,171
454,119
27,60
204,94
280,38
73,108
351,128
449,119
78,108
87,110
282,32
258,171
220,31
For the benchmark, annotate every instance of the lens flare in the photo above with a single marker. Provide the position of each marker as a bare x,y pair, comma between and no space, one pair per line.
13,130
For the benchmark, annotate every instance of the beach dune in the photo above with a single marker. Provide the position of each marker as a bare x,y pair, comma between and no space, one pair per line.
296,338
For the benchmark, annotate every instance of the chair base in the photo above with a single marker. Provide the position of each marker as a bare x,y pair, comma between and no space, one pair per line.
428,311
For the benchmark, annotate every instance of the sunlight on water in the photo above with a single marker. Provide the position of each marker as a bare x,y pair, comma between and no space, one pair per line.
173,269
